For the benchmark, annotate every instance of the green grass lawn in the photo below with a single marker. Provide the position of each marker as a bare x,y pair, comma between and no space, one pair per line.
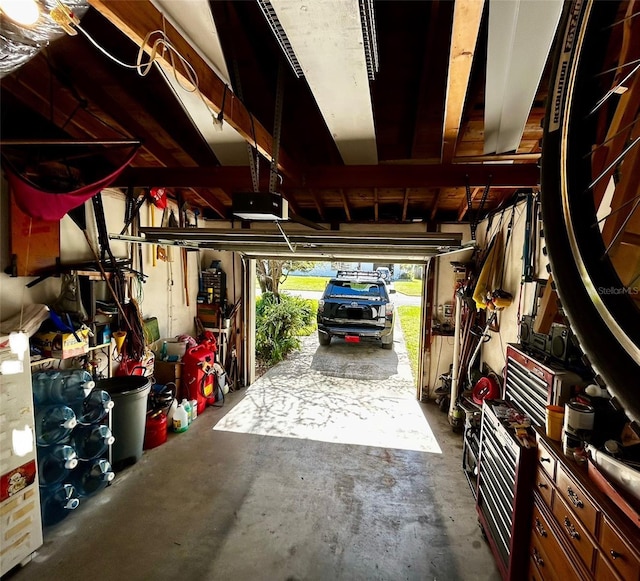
317,283
410,323
305,283
412,288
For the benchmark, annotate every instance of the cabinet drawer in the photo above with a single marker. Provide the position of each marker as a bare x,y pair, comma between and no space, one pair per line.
543,486
550,568
534,574
575,497
574,532
546,552
546,460
618,553
604,571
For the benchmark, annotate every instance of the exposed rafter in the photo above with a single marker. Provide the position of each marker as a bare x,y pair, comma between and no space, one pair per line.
345,203
466,25
405,204
436,203
137,19
353,176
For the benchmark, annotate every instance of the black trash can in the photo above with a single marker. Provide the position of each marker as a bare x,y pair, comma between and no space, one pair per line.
129,415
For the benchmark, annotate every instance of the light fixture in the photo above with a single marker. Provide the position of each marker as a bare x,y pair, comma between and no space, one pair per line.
264,206
23,12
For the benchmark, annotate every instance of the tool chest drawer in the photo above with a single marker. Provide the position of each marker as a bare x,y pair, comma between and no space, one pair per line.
506,470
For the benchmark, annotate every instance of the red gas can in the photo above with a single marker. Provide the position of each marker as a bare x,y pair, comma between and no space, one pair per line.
198,378
155,432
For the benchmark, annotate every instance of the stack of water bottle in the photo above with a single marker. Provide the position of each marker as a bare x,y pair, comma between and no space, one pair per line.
72,440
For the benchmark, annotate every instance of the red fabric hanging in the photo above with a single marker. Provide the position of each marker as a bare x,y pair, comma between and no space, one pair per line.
49,206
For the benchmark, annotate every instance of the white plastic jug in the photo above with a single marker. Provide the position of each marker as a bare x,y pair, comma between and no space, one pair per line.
180,419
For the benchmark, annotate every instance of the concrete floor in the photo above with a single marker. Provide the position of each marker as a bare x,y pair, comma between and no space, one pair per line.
213,504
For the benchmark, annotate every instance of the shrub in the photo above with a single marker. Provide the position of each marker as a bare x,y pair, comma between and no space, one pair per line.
279,322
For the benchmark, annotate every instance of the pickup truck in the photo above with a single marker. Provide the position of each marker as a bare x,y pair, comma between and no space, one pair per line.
355,305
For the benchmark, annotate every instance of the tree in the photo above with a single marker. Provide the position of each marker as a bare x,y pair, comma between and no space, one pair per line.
272,273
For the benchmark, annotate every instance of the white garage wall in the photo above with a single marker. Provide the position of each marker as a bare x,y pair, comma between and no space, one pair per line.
162,296
494,351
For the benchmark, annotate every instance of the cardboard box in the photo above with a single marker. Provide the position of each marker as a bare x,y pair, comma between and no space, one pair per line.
62,345
165,372
209,314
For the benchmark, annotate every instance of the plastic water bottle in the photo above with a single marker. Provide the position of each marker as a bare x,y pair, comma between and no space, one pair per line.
57,502
92,476
41,384
194,409
91,441
54,424
71,387
180,419
55,463
94,407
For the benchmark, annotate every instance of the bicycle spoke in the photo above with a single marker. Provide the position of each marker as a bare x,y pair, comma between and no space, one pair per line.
614,163
615,90
610,139
595,224
617,68
621,229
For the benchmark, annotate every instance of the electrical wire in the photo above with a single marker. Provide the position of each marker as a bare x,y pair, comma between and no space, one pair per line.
159,46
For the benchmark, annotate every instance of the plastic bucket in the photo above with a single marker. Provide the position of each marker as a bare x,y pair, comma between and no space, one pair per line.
554,421
129,414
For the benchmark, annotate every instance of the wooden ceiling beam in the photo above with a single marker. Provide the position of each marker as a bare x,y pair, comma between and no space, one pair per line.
345,202
318,202
233,178
467,17
464,205
436,203
376,205
405,204
429,119
137,19
208,198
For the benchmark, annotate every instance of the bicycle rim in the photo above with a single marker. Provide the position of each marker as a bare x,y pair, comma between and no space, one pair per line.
589,208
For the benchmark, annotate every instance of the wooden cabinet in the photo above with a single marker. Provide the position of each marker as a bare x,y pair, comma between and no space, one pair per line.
577,533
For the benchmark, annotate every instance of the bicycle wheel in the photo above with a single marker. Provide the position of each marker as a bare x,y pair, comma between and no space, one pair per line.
590,187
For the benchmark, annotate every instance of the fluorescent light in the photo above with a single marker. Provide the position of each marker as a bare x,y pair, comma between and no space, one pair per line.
24,12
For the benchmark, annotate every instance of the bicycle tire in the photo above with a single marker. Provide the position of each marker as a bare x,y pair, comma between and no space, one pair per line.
600,310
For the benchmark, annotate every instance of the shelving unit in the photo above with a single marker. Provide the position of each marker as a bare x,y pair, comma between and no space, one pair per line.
103,346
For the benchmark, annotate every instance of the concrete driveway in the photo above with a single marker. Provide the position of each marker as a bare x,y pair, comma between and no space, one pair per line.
356,393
